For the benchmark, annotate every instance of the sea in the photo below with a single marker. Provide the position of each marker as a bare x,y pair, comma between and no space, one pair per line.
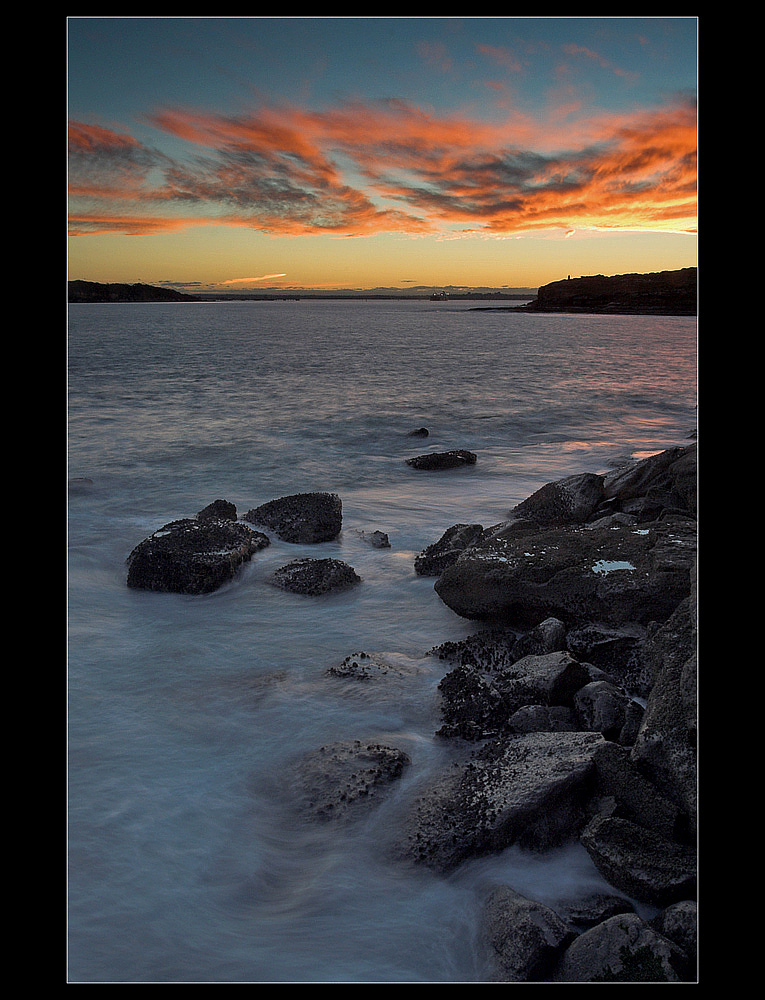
189,858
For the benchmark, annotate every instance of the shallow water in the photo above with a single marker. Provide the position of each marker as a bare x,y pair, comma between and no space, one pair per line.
187,860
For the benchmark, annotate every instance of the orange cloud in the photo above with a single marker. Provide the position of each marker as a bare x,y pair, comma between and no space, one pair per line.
387,166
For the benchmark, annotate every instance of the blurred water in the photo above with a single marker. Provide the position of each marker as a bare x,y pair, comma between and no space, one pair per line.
186,714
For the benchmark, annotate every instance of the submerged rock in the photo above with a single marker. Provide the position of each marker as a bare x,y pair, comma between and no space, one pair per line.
338,781
315,576
301,518
192,555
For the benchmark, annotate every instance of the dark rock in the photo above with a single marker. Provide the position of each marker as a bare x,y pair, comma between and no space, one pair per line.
218,510
192,556
433,560
443,460
568,501
609,575
340,781
420,432
602,707
665,481
549,636
640,862
636,798
377,539
665,748
622,949
543,719
315,576
528,789
301,518
594,909
679,923
489,650
616,650
526,937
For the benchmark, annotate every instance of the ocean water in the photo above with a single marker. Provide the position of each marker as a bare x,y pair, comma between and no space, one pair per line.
188,859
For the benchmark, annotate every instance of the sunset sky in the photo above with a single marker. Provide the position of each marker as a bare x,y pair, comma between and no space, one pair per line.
215,154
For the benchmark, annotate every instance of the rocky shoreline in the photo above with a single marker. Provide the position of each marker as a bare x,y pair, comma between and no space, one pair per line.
572,710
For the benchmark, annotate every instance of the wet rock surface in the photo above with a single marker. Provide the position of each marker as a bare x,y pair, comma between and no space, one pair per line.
194,555
314,577
301,518
341,781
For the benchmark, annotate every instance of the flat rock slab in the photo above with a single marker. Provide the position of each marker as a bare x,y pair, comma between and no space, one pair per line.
315,576
302,518
527,789
192,556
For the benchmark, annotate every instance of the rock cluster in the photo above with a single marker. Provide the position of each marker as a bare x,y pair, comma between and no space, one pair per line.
571,714
580,698
197,555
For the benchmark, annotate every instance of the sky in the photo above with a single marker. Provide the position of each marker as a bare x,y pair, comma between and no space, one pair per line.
259,153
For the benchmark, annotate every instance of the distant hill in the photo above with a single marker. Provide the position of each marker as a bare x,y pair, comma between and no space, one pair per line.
94,291
661,293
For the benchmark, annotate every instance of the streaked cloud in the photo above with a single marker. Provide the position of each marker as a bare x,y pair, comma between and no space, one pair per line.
364,167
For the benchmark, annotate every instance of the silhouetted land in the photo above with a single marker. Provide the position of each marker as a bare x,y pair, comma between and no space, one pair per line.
661,293
95,291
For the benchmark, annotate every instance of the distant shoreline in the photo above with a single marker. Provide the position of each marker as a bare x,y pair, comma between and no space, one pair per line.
661,293
94,291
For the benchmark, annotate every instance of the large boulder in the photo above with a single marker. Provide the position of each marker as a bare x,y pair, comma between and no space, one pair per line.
623,949
194,555
575,574
572,500
632,795
528,789
301,518
526,937
666,481
640,862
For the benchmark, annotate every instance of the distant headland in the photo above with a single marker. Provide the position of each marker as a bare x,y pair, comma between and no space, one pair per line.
663,293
